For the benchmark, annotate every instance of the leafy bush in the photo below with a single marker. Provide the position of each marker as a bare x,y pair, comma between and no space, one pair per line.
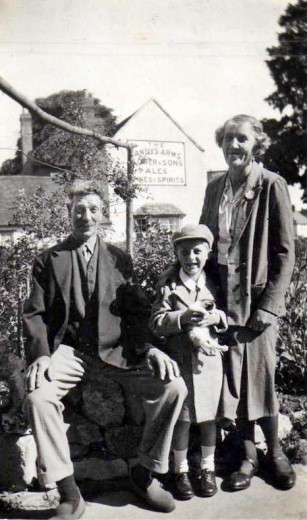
295,443
15,267
153,255
291,374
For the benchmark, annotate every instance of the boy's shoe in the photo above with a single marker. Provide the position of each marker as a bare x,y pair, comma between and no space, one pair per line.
207,483
182,486
153,493
281,471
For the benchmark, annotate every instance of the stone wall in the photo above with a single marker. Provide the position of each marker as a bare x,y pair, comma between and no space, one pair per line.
105,423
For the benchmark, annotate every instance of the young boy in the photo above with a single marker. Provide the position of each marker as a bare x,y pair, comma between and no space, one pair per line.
185,304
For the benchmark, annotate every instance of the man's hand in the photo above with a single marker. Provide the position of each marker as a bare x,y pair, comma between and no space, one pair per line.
262,319
36,372
162,364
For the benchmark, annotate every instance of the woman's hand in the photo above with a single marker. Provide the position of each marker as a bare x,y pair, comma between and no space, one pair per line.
209,318
262,319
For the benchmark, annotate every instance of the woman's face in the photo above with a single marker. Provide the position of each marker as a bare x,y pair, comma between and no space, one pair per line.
238,144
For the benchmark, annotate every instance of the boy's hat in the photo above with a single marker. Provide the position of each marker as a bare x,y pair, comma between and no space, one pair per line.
193,232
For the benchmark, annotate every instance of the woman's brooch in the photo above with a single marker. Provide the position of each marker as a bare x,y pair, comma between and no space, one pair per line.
249,195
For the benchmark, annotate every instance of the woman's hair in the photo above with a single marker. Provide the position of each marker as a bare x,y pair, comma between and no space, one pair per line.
85,187
262,139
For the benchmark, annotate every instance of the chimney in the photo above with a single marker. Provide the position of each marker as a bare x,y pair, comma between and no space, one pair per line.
26,135
91,120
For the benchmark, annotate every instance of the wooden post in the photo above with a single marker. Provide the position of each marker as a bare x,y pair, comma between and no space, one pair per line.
129,204
21,351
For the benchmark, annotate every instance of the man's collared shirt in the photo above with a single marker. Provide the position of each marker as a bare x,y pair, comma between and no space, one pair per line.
87,248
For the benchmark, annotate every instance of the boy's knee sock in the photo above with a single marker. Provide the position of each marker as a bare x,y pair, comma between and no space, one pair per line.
181,461
207,458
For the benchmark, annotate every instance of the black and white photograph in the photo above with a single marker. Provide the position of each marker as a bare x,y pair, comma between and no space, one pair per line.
153,259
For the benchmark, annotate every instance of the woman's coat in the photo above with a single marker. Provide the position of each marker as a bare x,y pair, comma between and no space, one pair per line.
261,258
261,261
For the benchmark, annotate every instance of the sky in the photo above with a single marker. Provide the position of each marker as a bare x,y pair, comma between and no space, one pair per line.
203,60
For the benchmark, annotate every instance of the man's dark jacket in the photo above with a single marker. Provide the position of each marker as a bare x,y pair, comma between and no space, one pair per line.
123,312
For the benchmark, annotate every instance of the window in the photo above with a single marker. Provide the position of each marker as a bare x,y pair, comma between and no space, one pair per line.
169,223
166,223
142,223
5,238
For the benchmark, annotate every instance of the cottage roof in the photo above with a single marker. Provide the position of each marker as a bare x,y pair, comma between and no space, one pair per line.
10,186
152,100
161,210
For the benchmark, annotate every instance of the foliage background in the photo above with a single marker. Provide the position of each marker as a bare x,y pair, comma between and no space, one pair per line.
291,374
153,254
288,67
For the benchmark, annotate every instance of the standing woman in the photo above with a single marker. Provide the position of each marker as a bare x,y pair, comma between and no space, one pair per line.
249,213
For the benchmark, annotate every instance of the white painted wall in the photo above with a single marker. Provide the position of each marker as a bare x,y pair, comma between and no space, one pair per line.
300,230
151,123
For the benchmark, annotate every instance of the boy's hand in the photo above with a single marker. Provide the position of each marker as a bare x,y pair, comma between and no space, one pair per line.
191,317
199,318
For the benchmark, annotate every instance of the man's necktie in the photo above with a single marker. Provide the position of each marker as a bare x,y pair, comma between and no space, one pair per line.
86,253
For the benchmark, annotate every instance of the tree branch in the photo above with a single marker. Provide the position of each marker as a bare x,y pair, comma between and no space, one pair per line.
33,107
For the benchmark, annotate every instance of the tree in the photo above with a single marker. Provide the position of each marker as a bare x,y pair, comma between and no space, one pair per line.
12,166
288,68
62,149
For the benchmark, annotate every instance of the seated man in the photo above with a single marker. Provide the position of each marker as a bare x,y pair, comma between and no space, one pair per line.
87,305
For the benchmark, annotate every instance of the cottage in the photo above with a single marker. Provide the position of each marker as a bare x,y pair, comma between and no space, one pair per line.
169,167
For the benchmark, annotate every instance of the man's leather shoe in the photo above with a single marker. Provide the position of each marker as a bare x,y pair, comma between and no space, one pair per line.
155,496
183,487
207,483
240,480
66,510
281,471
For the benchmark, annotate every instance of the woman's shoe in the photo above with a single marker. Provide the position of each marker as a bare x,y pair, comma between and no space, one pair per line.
182,486
281,471
240,480
207,483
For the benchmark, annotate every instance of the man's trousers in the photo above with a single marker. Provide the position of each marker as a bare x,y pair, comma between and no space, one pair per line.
162,403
